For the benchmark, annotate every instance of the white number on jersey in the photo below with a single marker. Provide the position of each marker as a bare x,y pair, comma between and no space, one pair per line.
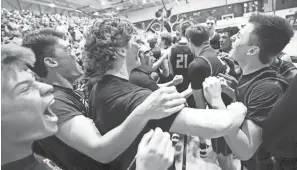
182,61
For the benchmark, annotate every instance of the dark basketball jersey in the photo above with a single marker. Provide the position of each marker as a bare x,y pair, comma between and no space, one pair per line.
284,68
180,59
243,92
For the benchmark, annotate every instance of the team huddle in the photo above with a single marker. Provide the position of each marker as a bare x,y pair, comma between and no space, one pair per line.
235,89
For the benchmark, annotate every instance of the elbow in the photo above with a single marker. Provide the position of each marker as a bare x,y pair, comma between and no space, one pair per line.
244,156
106,161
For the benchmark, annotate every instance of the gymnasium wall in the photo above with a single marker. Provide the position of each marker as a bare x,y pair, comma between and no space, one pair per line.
183,7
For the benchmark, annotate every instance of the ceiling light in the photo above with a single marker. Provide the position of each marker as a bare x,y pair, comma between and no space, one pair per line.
103,2
144,1
52,5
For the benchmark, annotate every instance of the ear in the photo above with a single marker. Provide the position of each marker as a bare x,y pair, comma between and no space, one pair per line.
50,62
253,50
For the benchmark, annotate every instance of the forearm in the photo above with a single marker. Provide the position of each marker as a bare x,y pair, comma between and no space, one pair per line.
165,68
168,84
218,105
158,63
240,144
205,123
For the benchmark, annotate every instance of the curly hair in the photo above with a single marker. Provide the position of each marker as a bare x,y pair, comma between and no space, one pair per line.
104,39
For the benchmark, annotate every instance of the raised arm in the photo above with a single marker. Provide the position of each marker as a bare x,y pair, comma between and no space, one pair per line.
158,63
81,133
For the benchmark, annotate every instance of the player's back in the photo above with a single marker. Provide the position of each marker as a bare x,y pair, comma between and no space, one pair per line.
180,59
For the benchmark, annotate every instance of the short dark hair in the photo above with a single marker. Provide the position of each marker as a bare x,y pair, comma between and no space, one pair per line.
42,43
14,57
183,27
152,41
271,34
197,34
211,18
167,38
231,31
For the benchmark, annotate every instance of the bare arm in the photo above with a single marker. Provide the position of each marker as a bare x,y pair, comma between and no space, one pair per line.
82,134
165,68
158,63
168,84
176,81
206,123
244,143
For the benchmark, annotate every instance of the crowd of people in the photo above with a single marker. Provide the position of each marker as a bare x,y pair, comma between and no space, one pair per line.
84,94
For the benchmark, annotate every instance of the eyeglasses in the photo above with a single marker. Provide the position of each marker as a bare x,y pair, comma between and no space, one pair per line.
210,23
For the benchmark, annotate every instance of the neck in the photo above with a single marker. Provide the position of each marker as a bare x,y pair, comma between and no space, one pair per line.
198,50
11,151
54,78
120,71
183,39
252,67
211,35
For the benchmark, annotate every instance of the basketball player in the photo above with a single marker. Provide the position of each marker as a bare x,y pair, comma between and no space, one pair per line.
78,144
180,57
259,88
205,64
114,98
141,76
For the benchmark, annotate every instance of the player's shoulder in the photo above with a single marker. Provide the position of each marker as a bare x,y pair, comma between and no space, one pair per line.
268,87
199,63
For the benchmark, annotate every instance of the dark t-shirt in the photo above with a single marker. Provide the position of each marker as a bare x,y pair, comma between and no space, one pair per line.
27,163
280,127
205,65
259,91
112,100
285,68
142,79
67,105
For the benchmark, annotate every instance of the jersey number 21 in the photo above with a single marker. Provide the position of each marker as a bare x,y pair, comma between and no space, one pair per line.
182,61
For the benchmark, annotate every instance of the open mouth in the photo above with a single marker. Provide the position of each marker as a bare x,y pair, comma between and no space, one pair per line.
49,114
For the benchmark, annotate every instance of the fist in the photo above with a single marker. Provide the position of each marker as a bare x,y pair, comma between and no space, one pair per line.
239,111
212,90
240,108
155,151
178,79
